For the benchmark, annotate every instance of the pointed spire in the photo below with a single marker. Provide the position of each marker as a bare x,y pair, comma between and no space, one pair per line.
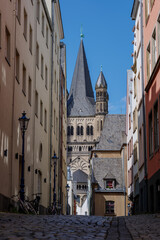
101,81
81,98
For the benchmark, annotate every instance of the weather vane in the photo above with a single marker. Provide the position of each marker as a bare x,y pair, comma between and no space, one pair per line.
82,35
101,68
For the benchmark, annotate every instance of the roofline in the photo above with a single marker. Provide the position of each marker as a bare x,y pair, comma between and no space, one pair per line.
47,14
134,9
60,17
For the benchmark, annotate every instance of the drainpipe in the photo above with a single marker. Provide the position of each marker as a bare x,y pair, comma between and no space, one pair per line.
51,103
143,105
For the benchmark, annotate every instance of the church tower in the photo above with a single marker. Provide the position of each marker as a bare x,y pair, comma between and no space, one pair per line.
102,96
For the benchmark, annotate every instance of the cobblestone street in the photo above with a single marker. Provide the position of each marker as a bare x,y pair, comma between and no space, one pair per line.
16,226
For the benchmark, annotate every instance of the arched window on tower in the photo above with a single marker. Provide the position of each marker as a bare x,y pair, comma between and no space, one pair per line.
89,130
79,130
72,130
68,131
101,107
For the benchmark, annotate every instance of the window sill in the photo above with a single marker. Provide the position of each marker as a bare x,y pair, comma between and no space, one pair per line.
7,61
17,80
18,19
24,92
25,36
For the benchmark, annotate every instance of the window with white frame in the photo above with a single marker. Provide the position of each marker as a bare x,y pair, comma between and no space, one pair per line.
154,49
148,56
156,126
150,134
110,183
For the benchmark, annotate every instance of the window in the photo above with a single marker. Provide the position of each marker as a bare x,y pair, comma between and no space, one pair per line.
69,149
29,91
109,207
158,33
89,130
135,87
19,10
80,130
150,134
45,120
42,63
36,103
25,24
135,120
57,90
129,121
37,55
30,38
97,125
55,43
46,77
47,35
43,24
110,183
70,130
54,121
146,10
41,112
17,65
101,125
148,55
8,45
137,35
135,153
38,10
80,148
24,80
156,127
154,49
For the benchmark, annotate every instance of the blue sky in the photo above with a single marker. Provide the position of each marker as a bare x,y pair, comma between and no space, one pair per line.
107,29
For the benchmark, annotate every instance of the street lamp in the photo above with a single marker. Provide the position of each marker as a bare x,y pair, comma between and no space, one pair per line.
67,189
23,125
54,158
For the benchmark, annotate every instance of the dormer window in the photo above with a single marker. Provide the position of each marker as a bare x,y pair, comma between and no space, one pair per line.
110,183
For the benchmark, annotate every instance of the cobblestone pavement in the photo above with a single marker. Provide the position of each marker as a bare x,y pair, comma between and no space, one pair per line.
25,227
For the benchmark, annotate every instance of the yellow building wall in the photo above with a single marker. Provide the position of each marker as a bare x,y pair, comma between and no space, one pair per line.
120,203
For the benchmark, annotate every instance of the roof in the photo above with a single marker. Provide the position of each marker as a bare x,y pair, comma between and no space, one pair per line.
81,98
80,176
101,81
107,168
113,134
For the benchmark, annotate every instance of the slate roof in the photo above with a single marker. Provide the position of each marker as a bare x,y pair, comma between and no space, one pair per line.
101,81
113,134
80,176
81,97
107,168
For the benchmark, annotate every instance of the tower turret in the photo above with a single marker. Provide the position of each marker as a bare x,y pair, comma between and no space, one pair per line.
102,96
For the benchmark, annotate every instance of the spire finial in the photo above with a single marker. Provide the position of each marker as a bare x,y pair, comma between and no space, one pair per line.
82,35
101,68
